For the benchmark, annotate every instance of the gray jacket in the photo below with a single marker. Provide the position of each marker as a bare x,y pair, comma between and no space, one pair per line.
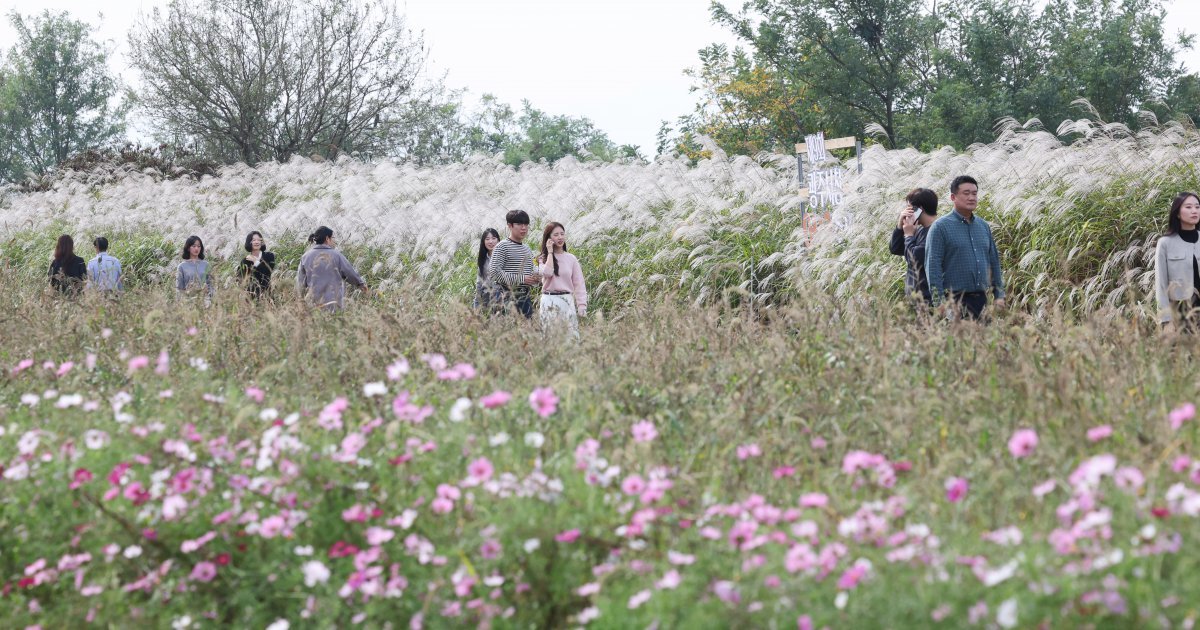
1173,274
321,274
192,275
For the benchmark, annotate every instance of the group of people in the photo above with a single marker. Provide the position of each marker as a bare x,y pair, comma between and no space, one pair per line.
508,271
953,263
321,277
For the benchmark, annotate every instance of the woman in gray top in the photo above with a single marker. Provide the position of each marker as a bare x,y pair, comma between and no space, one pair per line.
194,273
323,271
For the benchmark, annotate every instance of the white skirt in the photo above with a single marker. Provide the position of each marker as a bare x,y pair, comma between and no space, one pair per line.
556,310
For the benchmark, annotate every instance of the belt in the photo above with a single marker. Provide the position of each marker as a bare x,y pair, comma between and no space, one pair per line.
969,293
556,292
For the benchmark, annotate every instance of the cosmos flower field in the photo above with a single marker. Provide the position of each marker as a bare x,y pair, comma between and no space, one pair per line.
165,465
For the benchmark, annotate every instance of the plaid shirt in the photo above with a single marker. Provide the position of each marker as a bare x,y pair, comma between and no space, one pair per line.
961,256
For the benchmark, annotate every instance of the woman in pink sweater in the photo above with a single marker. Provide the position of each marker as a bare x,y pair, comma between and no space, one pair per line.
564,293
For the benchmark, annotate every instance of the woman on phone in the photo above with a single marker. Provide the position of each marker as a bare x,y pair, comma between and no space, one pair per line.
1176,270
564,292
194,273
257,266
485,290
66,269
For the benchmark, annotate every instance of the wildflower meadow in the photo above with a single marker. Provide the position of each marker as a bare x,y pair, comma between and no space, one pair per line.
734,441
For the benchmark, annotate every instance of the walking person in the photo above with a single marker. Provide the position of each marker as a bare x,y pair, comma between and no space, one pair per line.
194,274
104,271
908,240
256,268
485,290
1176,270
961,259
67,271
324,271
512,269
564,292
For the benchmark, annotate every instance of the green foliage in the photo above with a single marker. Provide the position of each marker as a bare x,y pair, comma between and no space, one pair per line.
57,97
929,75
533,135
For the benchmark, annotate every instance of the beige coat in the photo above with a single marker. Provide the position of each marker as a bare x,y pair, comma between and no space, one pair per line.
1173,275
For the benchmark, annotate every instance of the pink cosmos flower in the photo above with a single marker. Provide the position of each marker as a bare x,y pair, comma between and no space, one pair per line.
204,571
255,394
804,622
163,367
378,535
81,476
633,484
460,372
271,526
64,368
852,577
644,431
670,580
1044,488
638,599
480,470
138,362
22,365
589,589
568,536
1181,414
1095,434
726,591
746,451
1022,443
498,398
813,499
441,505
398,369
956,489
543,401
173,507
189,546
356,513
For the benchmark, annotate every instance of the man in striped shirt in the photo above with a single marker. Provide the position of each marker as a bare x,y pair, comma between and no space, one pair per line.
512,267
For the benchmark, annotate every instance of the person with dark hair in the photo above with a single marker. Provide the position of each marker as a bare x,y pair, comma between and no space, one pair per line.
324,271
485,289
564,293
908,240
66,269
194,272
104,271
961,259
256,268
512,266
1176,270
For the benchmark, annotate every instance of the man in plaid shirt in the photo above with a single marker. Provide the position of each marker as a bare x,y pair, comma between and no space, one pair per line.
961,259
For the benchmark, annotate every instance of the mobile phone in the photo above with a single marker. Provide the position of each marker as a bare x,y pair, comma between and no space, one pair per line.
916,213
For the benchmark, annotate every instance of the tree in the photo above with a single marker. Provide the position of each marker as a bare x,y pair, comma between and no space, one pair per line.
534,135
57,97
255,80
929,74
744,107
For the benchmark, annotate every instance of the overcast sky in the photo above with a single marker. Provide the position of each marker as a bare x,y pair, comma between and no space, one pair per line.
618,62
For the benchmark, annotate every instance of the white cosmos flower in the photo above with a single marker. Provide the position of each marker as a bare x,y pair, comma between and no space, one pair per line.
535,439
458,412
1006,614
371,390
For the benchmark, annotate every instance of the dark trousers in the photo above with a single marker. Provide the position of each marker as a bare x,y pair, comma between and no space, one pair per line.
970,304
517,300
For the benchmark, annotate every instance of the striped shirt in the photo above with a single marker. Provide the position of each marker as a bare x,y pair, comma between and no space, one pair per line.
104,273
511,262
961,256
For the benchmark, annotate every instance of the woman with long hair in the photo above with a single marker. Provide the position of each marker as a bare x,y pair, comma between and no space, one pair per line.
194,273
323,272
67,270
485,290
256,268
564,292
1177,265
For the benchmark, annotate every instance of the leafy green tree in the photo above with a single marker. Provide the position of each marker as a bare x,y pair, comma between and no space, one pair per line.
532,135
57,97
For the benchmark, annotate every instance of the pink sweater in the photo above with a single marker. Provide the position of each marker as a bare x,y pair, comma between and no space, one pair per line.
569,279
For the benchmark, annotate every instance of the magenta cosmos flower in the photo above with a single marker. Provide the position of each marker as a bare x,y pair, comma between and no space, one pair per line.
1022,443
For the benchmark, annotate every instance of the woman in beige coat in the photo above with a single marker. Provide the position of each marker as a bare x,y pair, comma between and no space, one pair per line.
1177,266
